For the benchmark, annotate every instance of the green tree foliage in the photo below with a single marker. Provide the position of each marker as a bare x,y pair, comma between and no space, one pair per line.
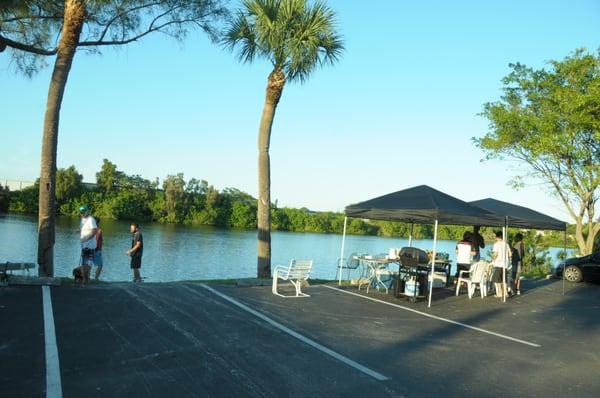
175,198
548,122
537,261
25,200
68,184
29,28
243,215
209,214
4,199
108,178
130,204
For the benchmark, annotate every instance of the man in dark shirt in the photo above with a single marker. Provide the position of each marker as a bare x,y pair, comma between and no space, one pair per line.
476,243
136,251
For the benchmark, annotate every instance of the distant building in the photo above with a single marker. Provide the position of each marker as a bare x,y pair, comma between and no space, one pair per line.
15,185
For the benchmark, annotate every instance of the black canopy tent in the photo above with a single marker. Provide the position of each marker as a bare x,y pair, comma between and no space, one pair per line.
523,217
420,205
423,205
519,216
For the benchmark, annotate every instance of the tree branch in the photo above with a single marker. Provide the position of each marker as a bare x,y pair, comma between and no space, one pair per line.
31,17
556,186
26,47
116,17
134,38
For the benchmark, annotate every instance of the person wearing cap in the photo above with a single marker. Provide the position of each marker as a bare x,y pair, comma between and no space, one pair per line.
87,238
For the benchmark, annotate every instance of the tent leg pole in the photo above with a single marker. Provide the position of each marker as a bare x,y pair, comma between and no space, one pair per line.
564,267
430,281
410,234
342,252
504,240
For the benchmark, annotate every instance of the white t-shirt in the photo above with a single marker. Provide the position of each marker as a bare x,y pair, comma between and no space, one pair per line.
88,224
463,253
502,250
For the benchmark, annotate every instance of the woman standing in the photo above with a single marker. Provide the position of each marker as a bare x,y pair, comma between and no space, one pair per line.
464,255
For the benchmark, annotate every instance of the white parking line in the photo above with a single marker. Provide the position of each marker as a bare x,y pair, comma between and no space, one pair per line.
464,325
310,342
53,385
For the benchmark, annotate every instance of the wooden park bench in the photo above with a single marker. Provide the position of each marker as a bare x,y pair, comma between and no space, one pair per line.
7,268
295,273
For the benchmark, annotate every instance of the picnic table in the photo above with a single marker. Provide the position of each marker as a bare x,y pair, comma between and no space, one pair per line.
374,265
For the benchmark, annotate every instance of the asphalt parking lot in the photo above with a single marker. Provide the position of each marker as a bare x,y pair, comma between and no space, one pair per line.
178,339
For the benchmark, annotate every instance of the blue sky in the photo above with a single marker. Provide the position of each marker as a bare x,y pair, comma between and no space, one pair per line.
398,110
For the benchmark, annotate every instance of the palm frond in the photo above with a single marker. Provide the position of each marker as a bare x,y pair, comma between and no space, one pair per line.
241,33
293,35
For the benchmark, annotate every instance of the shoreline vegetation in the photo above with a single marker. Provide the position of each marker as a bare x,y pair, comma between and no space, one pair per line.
119,196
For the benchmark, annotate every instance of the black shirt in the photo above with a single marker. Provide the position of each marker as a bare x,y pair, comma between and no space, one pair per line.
477,242
135,238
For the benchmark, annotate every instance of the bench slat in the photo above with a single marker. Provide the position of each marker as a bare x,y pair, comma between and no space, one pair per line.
299,269
16,266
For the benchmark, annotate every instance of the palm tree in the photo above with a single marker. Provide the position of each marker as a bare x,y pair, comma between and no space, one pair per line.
74,18
296,38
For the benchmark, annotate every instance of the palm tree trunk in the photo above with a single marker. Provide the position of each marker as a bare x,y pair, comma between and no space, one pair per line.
275,85
74,18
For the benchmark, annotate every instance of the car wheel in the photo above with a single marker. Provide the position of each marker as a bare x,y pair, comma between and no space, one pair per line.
573,274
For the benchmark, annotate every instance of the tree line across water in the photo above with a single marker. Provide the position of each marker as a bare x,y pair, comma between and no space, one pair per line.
119,196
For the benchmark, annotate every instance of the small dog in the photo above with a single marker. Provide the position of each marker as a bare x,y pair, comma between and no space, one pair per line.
80,275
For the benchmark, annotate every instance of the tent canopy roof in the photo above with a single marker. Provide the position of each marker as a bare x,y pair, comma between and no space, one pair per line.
423,205
519,216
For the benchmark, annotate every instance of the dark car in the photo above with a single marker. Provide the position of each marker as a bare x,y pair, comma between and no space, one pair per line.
580,268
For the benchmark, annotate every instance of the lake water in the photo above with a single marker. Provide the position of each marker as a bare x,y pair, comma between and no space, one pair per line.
176,252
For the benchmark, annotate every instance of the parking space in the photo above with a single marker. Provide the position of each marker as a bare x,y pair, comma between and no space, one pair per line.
160,340
21,342
193,340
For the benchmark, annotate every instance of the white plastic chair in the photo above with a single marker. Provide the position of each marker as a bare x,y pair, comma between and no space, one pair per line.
477,277
486,282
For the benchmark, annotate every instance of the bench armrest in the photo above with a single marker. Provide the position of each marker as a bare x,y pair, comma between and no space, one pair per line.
280,269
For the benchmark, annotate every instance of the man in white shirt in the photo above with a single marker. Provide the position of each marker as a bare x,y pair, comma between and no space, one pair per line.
501,259
87,237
